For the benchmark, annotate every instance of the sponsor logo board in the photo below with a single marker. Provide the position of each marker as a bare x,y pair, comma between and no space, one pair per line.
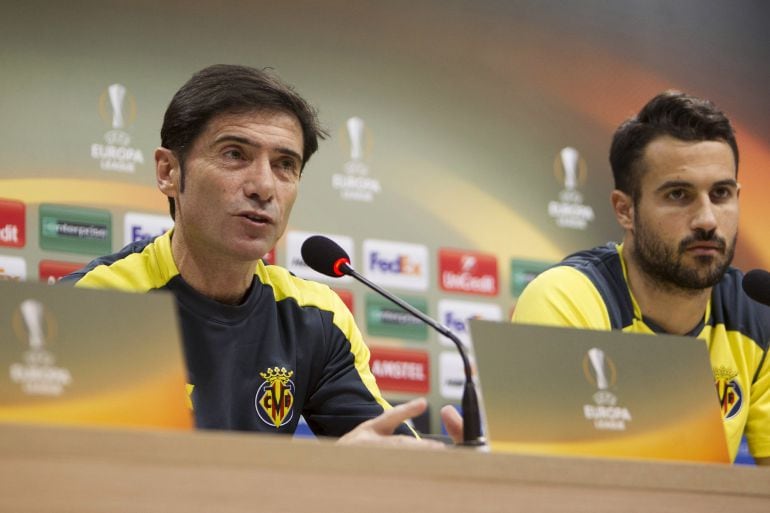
467,271
396,264
138,226
455,315
297,265
451,375
52,271
401,370
12,268
75,230
13,231
384,319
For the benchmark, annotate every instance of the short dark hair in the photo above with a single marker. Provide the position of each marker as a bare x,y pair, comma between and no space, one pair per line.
670,113
228,89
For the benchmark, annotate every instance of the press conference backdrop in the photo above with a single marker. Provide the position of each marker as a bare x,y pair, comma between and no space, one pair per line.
468,140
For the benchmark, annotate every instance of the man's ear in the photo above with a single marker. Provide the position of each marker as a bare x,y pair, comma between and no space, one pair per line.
623,206
167,172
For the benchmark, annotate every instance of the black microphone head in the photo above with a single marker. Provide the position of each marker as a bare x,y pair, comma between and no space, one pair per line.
325,256
756,285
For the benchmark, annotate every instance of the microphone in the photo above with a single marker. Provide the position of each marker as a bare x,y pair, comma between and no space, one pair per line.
327,257
756,285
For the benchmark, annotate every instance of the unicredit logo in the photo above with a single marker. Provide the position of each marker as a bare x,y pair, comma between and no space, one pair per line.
9,234
12,223
464,271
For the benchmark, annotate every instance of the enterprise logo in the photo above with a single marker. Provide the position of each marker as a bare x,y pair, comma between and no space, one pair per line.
76,230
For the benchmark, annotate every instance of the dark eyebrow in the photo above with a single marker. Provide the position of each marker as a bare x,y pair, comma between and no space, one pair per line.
673,184
248,142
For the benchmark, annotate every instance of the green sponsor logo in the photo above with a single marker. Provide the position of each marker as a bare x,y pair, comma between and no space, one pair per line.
75,230
384,319
523,272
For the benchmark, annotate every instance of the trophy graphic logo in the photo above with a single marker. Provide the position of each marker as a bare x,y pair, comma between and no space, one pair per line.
596,357
32,315
117,93
355,126
601,372
355,184
569,162
571,171
37,375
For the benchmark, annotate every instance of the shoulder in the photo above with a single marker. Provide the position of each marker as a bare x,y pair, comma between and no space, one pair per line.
586,289
737,311
286,285
138,267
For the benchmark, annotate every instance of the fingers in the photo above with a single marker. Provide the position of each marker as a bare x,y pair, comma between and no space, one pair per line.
379,430
386,423
453,423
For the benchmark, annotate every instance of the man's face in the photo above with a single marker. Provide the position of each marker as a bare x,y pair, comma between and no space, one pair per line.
241,179
685,222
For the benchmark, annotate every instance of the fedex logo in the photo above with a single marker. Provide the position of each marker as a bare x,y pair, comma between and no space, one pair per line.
138,226
12,224
455,315
464,271
396,264
399,265
455,323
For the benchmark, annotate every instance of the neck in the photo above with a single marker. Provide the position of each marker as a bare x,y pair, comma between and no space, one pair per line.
674,309
216,278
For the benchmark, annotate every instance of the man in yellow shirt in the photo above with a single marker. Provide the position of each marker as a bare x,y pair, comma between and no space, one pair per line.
676,197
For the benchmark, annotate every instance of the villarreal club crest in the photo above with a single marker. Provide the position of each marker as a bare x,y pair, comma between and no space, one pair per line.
275,397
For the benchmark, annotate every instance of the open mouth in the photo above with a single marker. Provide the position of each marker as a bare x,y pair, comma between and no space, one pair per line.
255,218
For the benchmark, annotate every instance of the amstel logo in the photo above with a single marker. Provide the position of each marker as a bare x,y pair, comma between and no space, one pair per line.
275,397
729,391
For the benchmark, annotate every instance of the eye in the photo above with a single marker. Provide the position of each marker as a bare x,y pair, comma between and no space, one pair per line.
676,194
721,193
233,154
288,166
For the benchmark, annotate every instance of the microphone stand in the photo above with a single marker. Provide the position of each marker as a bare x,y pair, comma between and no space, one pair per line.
471,413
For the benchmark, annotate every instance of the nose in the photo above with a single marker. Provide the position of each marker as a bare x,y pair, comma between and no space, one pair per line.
704,217
259,182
